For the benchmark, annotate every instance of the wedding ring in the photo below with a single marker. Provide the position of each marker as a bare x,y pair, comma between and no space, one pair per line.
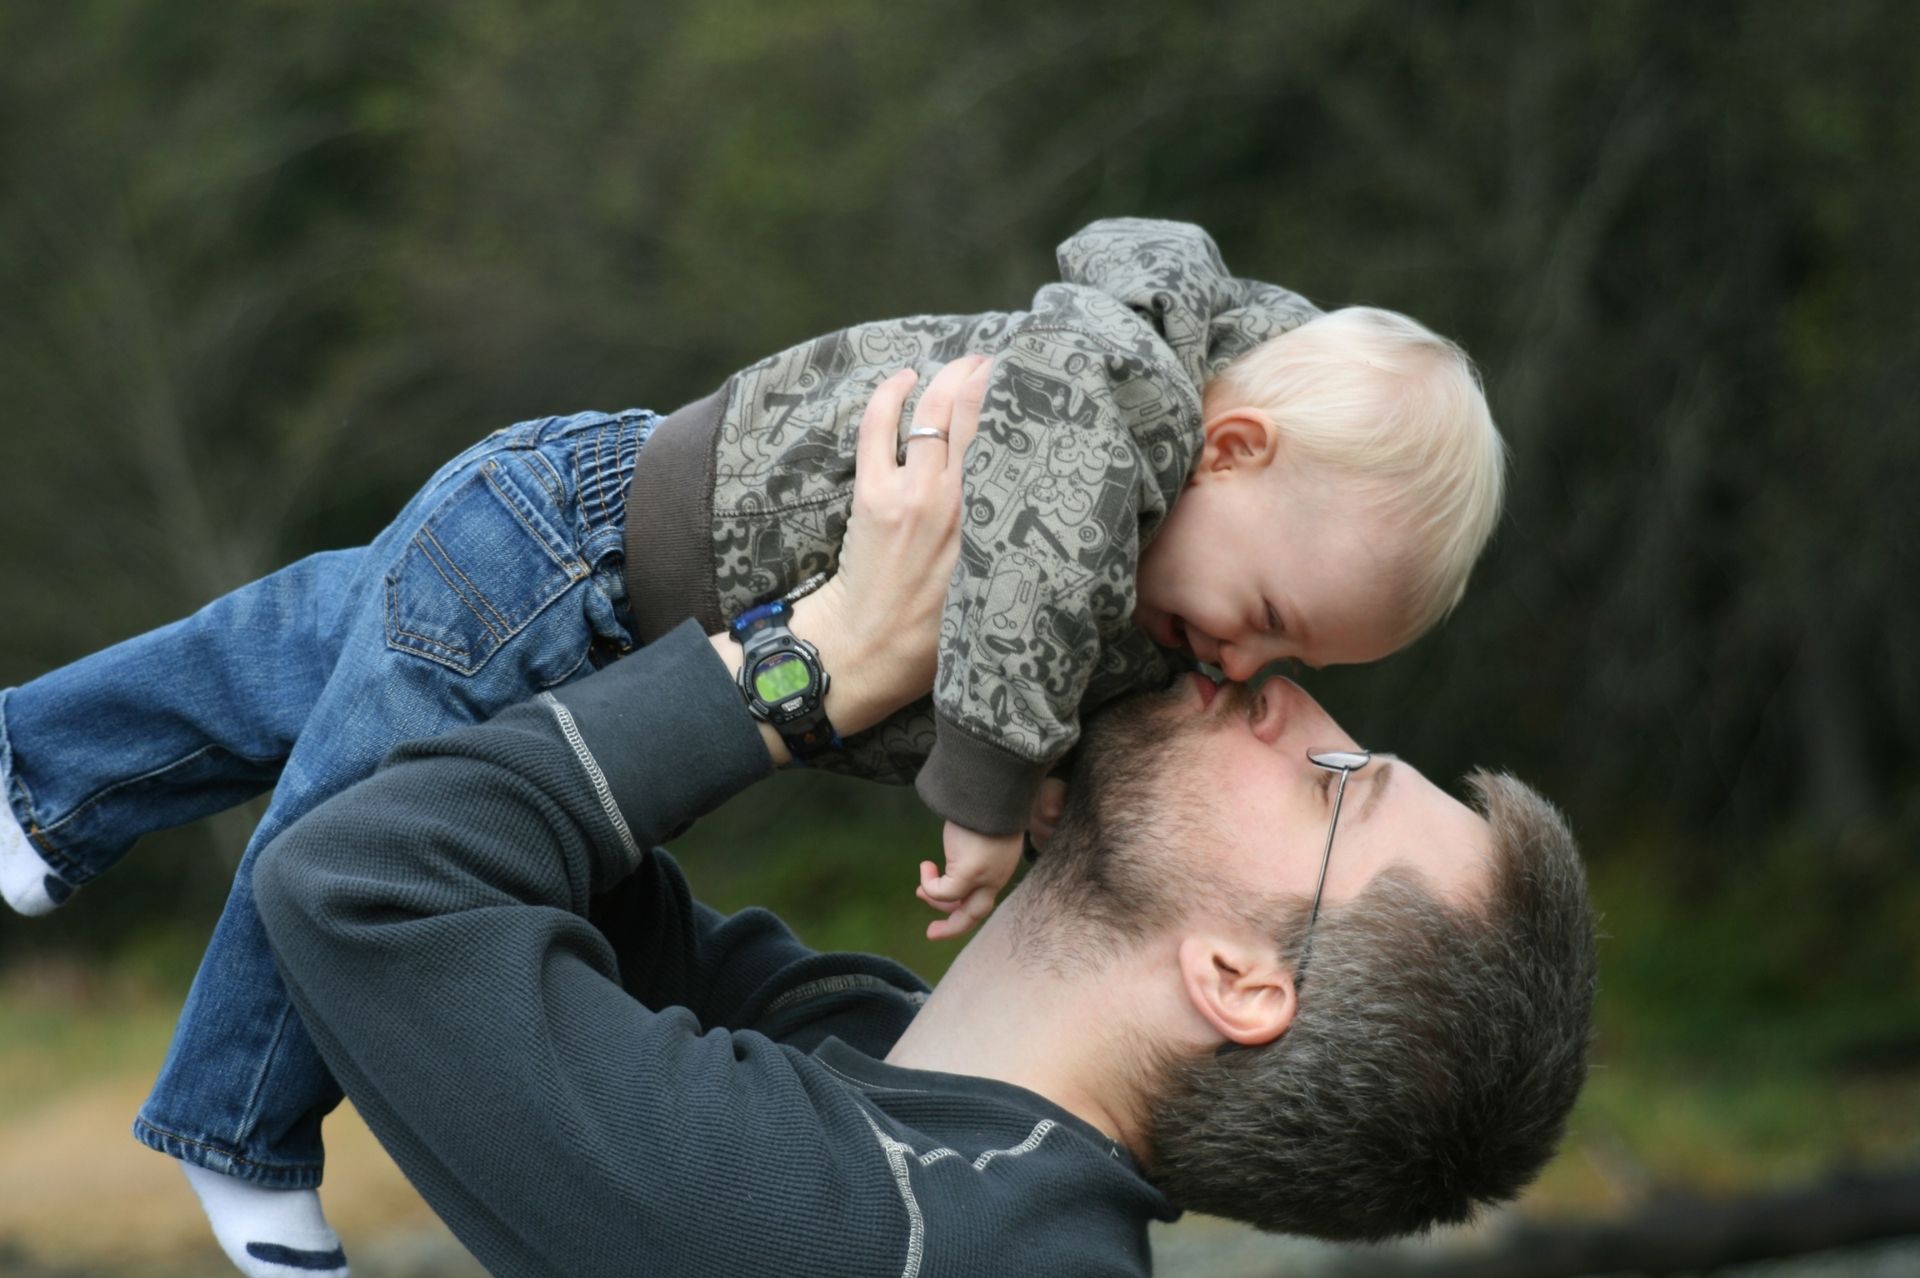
926,432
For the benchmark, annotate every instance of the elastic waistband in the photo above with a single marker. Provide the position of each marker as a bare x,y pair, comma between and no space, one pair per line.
538,431
603,458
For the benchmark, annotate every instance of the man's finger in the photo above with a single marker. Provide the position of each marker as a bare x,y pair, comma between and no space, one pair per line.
934,412
965,419
880,425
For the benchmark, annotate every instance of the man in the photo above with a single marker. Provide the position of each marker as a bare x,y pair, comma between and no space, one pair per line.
1172,1011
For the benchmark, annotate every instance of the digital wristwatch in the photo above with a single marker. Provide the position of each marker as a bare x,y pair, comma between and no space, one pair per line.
782,679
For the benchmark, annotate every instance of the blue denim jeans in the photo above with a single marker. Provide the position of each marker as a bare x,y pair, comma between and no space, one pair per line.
503,576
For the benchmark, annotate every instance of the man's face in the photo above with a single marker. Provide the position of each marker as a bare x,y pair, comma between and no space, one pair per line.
1240,758
1250,754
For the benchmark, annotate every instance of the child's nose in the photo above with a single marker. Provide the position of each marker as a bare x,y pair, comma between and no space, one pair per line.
1238,663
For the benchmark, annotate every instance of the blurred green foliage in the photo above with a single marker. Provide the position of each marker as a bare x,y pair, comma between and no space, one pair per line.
263,266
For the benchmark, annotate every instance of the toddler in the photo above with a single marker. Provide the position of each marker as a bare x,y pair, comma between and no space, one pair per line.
1336,476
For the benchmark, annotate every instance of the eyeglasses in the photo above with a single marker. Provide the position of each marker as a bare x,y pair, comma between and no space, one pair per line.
1346,763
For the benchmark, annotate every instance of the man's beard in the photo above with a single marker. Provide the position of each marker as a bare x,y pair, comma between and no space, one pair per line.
1126,858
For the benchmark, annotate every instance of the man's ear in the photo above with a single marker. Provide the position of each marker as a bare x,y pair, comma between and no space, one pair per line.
1238,988
1237,439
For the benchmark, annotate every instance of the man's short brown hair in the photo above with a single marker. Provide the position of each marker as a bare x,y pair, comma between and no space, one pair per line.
1431,1063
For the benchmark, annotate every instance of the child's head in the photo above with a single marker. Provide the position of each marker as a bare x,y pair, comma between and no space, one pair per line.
1350,476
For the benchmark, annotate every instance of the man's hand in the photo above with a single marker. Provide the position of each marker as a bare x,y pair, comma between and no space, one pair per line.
876,622
978,866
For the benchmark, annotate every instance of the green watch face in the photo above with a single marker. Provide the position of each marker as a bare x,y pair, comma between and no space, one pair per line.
781,676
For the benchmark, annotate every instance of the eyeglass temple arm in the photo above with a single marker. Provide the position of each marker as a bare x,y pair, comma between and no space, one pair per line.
1326,853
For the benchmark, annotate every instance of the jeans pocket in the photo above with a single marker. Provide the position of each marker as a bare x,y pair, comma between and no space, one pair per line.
485,562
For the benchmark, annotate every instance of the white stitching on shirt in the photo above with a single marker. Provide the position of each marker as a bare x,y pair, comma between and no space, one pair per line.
897,1152
1027,1146
571,730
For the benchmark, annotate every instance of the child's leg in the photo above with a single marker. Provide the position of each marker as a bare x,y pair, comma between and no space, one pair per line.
172,725
164,728
509,581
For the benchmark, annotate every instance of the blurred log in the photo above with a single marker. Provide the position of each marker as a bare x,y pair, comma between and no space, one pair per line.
1679,1233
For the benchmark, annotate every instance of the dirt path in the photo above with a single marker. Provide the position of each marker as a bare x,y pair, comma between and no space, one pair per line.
78,1195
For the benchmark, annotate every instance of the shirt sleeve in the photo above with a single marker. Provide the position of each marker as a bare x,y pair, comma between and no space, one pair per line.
432,926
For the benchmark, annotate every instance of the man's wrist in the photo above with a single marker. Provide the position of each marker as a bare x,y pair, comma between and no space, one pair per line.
857,697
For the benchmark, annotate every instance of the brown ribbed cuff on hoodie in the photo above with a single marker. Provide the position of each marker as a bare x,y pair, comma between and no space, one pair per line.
669,538
981,786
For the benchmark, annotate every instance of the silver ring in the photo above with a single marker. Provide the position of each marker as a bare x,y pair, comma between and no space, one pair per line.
927,432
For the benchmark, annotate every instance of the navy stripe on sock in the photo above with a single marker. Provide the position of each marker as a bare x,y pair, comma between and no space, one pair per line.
295,1258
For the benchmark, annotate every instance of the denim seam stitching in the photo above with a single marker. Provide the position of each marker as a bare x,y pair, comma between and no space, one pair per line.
452,650
566,565
590,484
599,469
395,633
556,491
457,592
252,1110
477,592
571,672
148,775
210,1147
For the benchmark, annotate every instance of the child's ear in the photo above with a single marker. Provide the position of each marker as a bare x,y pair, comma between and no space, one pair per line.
1237,439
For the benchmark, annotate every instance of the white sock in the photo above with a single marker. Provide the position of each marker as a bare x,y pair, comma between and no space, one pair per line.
28,883
268,1233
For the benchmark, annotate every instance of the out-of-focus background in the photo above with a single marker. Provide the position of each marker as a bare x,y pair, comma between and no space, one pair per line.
263,266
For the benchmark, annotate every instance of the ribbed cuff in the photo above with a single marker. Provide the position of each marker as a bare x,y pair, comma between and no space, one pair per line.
669,536
981,786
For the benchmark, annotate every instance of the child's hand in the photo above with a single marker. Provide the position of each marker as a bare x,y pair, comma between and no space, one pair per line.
978,866
1048,803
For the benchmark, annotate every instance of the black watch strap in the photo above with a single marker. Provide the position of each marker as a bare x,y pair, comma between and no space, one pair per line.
783,681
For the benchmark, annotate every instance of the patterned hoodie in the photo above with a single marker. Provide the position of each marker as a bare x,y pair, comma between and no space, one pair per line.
1090,426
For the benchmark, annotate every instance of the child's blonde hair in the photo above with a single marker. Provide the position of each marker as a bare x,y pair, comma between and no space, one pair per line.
1387,400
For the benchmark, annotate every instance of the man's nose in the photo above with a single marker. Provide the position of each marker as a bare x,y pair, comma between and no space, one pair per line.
1296,713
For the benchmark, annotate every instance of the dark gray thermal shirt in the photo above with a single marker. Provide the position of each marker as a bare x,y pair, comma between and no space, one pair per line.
586,1072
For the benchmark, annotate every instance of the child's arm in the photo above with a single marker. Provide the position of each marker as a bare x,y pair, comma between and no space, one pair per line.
1090,424
978,866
